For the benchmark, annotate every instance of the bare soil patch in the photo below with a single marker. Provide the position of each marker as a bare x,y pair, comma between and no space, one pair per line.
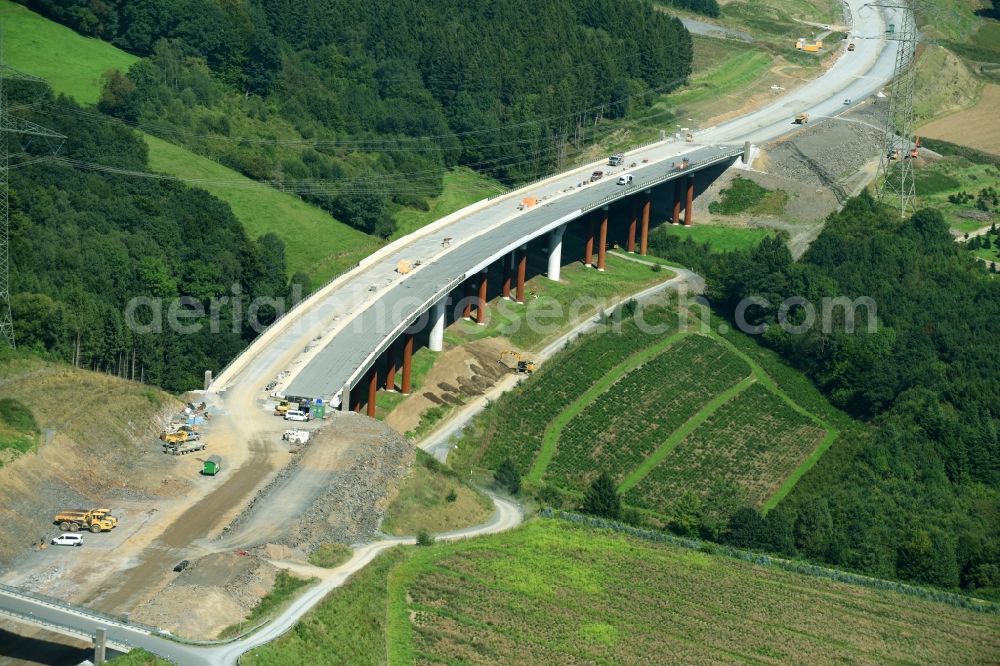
459,373
212,593
976,127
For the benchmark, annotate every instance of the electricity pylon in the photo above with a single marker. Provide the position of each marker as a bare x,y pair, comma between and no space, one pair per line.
10,125
894,185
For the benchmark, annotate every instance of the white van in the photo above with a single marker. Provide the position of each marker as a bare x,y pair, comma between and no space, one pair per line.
68,540
625,179
296,415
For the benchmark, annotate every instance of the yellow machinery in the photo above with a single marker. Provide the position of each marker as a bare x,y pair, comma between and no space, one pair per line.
802,119
520,364
284,406
176,437
95,520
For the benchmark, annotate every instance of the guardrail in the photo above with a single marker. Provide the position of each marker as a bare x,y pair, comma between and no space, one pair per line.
669,175
576,167
79,610
395,332
111,621
282,316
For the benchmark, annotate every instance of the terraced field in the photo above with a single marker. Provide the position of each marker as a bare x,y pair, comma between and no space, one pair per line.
663,415
743,450
630,420
513,427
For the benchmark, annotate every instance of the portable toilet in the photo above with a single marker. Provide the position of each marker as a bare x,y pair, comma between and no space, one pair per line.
212,466
318,408
891,29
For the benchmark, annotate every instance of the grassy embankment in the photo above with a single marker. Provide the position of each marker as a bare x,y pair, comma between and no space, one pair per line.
962,170
286,588
552,592
315,243
433,498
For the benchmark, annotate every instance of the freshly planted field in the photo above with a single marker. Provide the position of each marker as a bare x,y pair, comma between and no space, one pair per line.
555,593
637,414
745,449
513,426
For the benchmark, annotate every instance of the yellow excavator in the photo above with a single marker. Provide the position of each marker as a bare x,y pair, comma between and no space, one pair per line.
519,365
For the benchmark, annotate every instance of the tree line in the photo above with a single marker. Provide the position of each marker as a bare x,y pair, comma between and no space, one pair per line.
910,488
83,243
359,107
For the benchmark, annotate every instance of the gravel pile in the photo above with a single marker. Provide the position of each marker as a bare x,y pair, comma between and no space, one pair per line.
825,154
357,486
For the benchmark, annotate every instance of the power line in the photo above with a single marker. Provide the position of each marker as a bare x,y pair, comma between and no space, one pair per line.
10,125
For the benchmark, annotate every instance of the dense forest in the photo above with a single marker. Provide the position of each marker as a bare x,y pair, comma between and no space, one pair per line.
83,242
359,107
910,489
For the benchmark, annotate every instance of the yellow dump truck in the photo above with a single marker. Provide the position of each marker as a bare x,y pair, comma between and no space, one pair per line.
95,520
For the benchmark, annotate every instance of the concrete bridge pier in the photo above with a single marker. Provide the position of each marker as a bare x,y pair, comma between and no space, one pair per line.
404,386
588,246
100,646
522,269
481,299
390,368
633,222
467,300
372,389
644,238
678,195
602,241
555,252
689,203
436,341
508,270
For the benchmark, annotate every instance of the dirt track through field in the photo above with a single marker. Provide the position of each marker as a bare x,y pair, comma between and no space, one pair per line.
125,591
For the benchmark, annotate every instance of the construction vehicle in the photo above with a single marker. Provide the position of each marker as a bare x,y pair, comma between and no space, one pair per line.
894,154
95,520
597,175
520,364
683,164
183,448
616,160
809,47
296,436
175,437
850,47
689,137
802,119
284,406
915,151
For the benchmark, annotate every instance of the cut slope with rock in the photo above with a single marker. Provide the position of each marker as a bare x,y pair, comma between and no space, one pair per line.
335,490
95,448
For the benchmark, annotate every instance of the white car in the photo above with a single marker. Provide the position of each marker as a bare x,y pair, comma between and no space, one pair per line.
68,540
625,179
296,415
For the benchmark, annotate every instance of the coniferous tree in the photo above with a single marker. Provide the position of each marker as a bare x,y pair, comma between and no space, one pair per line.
602,498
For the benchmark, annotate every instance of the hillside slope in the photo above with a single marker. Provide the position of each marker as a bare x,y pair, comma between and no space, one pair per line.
96,446
315,243
551,592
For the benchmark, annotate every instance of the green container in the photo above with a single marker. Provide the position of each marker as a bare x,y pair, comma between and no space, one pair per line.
212,466
892,28
317,409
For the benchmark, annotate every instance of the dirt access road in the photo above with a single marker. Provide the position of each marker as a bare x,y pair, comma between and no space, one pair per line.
247,436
